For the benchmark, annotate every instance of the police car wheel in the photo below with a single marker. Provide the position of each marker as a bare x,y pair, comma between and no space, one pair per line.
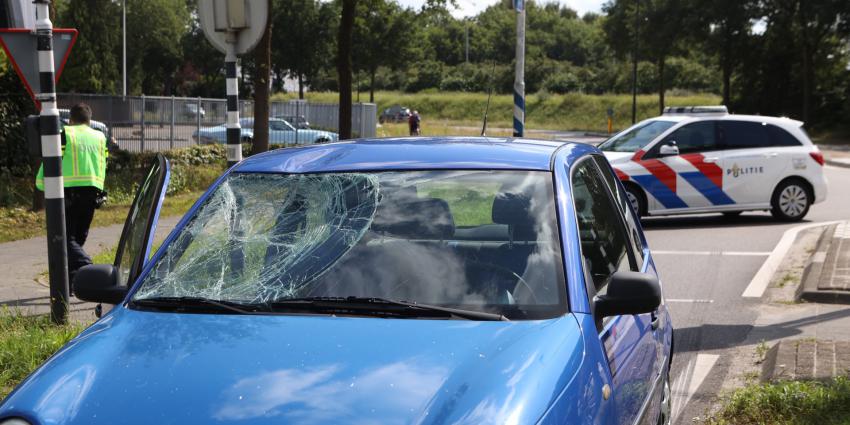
791,201
637,200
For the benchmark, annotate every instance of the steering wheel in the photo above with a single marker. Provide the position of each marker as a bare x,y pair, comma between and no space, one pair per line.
506,272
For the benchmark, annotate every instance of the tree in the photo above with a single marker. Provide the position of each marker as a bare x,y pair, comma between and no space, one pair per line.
384,35
262,58
94,65
153,53
726,27
303,38
661,27
343,66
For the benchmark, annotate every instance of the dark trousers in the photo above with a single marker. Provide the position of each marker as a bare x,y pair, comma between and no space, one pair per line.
79,211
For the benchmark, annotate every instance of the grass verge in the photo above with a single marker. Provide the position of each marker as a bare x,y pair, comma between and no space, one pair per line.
21,223
788,403
26,342
572,111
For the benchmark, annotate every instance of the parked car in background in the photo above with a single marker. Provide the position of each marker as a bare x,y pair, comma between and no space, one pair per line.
300,122
703,159
193,110
65,115
427,281
280,132
394,114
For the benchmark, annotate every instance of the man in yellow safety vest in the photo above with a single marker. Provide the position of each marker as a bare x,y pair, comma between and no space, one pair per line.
84,153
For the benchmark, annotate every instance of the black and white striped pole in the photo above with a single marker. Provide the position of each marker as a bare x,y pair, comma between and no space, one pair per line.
234,130
51,148
519,81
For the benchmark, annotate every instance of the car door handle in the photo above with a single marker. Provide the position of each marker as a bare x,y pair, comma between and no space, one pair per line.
711,160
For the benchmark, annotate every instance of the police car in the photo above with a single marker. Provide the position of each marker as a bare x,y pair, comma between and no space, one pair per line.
703,159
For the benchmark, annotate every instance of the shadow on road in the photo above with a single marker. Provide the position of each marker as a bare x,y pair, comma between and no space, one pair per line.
712,336
711,221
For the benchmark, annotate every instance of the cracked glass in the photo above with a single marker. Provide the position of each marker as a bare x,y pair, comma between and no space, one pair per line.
479,240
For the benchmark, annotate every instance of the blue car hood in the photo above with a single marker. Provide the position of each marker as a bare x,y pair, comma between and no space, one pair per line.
136,367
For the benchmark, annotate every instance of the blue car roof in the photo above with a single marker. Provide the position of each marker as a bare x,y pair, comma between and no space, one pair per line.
409,153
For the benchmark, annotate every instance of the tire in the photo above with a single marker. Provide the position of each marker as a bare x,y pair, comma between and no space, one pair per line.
791,200
665,417
637,199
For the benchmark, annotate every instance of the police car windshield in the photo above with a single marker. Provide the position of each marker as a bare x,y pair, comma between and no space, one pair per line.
636,137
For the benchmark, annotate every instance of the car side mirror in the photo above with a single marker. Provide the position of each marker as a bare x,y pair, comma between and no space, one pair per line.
629,293
98,283
669,149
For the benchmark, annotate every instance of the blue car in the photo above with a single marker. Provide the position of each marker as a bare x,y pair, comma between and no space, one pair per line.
281,132
392,281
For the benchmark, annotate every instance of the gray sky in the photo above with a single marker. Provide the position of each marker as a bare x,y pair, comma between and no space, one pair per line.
472,7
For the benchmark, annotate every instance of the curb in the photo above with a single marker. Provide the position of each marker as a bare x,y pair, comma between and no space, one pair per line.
808,289
835,163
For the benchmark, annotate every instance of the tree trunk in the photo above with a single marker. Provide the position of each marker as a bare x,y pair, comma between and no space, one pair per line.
262,57
727,70
372,86
301,86
661,87
343,67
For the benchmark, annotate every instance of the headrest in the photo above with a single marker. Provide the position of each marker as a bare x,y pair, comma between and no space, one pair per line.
513,209
426,218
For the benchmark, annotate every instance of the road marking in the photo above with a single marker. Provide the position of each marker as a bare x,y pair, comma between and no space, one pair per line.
688,300
762,278
721,253
696,372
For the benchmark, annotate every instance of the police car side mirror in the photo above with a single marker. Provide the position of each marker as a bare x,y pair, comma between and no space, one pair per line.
669,149
629,293
98,283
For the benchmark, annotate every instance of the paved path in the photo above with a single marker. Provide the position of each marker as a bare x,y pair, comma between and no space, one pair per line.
22,261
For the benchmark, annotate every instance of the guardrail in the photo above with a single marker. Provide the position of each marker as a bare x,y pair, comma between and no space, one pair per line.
157,123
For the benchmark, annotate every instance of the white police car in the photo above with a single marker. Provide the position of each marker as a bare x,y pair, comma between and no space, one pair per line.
703,159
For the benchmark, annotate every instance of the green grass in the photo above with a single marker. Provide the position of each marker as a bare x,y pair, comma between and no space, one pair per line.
21,223
26,342
788,403
574,111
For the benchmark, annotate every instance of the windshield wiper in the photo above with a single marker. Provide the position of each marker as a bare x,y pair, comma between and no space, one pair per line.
380,304
195,303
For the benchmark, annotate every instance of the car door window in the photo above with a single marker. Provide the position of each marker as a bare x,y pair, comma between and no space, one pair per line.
743,135
135,243
780,137
604,241
692,138
625,207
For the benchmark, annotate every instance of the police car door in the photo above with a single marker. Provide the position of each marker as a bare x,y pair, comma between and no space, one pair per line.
752,166
687,161
134,247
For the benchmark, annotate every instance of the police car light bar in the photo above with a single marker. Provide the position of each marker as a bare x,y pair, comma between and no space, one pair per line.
691,110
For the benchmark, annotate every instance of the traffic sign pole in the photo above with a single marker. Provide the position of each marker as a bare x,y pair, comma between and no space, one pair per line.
51,148
234,129
519,82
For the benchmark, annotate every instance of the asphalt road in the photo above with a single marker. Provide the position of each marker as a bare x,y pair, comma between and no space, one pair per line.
706,263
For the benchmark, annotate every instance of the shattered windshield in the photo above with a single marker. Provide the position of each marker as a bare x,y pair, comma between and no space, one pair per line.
478,240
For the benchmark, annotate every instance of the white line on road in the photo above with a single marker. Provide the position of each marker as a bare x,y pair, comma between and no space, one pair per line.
688,300
760,281
696,372
723,253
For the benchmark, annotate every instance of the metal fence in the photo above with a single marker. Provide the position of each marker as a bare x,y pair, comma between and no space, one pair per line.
157,123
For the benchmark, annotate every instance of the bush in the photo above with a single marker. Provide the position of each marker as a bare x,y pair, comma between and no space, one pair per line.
563,82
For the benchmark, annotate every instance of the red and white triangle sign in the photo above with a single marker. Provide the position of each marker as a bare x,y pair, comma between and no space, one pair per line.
21,48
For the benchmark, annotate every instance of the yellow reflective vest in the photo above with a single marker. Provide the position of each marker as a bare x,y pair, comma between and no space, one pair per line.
83,158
